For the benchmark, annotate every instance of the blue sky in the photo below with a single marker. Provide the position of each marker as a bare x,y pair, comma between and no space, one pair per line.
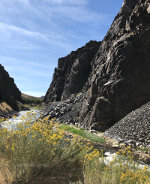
35,33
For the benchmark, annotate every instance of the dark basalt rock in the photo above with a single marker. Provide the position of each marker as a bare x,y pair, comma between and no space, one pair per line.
66,111
117,73
121,70
72,73
9,92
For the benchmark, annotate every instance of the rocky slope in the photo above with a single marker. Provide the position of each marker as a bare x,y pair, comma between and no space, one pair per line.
135,126
117,76
9,93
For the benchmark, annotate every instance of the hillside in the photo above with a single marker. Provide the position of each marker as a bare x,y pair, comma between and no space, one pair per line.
27,99
9,93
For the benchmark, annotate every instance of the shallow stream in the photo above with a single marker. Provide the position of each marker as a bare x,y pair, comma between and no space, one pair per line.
22,117
32,115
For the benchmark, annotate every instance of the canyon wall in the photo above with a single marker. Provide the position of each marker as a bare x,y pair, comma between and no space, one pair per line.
111,77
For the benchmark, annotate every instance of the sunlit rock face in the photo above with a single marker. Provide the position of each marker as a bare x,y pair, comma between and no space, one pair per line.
9,92
118,77
148,9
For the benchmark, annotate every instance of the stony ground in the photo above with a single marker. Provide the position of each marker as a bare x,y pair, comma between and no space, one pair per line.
65,111
134,127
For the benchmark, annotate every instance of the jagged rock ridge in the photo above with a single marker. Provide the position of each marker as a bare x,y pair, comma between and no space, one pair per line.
119,77
9,92
72,73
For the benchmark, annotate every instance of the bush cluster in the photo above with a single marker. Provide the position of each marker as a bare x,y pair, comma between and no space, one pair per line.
42,151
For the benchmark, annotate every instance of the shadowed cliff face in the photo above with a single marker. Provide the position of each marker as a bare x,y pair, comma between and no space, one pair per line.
119,77
72,73
9,92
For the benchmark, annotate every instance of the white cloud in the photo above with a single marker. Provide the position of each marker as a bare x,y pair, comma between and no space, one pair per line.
26,2
6,28
32,72
51,18
79,14
23,39
14,61
72,2
37,28
23,2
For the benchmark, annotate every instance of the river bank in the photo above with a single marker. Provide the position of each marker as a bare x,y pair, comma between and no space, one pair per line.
44,142
6,111
108,145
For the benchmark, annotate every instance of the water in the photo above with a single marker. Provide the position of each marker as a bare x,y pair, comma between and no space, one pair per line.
109,157
32,115
22,117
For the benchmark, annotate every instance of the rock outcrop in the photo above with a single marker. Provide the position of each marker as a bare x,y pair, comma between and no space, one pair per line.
9,93
117,75
67,111
120,79
72,73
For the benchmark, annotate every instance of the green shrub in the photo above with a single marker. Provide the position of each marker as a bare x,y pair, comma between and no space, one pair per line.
35,101
43,152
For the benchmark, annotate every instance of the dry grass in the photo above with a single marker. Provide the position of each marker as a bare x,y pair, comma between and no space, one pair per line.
122,170
4,107
41,152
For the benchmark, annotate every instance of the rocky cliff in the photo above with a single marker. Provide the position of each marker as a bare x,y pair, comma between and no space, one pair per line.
113,80
9,93
72,73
